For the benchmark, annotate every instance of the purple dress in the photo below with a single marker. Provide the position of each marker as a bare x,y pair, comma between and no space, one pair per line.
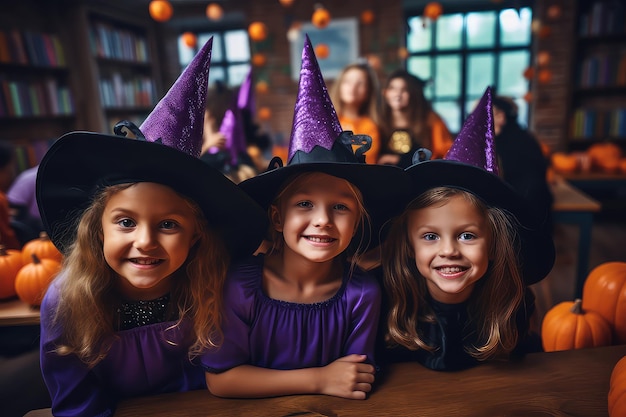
275,334
140,362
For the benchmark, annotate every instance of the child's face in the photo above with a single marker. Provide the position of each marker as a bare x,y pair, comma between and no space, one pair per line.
397,94
451,248
353,88
148,231
318,219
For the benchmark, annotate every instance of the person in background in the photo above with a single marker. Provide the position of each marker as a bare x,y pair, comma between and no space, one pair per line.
8,237
25,218
302,318
458,262
147,243
521,160
356,97
409,122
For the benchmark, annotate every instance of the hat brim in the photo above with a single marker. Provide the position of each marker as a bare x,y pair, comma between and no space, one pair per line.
80,163
384,187
536,243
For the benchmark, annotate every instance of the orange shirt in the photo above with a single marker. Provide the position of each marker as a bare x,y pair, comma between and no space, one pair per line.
364,126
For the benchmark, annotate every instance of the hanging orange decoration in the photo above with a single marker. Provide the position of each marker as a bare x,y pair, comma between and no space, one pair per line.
367,17
374,61
528,97
259,59
262,87
529,73
320,18
433,10
190,39
403,53
544,31
544,76
286,3
543,58
265,113
214,11
257,31
322,51
160,10
554,11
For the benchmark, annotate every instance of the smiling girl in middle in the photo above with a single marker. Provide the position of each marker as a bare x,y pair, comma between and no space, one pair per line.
302,318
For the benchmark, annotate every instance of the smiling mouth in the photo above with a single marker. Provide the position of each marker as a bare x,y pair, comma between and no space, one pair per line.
318,239
152,261
451,269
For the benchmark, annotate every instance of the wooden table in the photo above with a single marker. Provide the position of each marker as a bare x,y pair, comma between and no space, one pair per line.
572,206
569,383
17,313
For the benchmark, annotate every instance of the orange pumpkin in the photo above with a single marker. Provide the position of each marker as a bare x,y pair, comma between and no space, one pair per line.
42,247
622,165
564,163
320,18
605,156
10,264
604,292
567,326
33,279
617,389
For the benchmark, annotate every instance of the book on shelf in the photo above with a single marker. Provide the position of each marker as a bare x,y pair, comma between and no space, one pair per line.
108,41
35,98
603,18
603,70
599,123
31,48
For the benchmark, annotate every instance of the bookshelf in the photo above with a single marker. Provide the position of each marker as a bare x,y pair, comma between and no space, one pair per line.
598,106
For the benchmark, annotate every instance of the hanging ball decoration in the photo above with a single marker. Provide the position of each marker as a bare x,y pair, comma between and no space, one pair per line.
544,76
264,113
535,25
160,10
320,18
529,73
286,3
554,11
262,87
259,59
322,51
528,97
257,31
545,32
190,39
374,61
543,58
433,10
403,53
293,33
367,17
214,11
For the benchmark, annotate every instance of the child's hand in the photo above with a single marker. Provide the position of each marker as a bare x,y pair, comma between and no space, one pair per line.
347,377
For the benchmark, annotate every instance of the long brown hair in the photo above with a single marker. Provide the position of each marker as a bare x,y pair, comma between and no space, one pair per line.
371,106
87,296
494,301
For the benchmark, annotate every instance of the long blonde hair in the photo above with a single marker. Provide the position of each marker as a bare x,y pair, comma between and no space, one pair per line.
371,106
88,299
494,301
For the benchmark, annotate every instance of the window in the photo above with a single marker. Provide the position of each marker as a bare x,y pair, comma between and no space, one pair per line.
230,59
463,52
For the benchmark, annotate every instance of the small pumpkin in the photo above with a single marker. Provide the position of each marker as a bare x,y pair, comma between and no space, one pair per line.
617,389
567,326
564,163
10,264
605,156
42,247
33,279
604,292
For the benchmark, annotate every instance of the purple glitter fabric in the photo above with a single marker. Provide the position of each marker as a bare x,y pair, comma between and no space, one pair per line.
178,119
245,97
232,129
475,144
315,122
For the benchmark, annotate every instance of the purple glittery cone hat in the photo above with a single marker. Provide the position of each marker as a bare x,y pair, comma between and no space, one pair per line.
165,150
245,96
232,128
471,165
318,144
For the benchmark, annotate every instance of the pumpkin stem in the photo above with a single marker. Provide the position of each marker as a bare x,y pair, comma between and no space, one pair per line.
577,308
35,258
43,236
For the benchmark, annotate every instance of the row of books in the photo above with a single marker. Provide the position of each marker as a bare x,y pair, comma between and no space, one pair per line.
603,70
108,41
34,98
29,153
598,124
31,48
603,18
138,91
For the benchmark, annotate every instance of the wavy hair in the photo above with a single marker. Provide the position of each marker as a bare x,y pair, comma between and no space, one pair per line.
371,106
88,300
494,301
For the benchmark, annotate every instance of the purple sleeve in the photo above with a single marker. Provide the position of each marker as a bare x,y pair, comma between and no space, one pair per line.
239,295
73,388
365,296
